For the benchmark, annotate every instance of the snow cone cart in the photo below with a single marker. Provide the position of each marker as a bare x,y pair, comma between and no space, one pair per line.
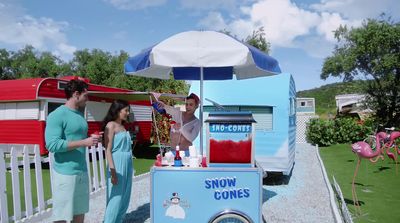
229,189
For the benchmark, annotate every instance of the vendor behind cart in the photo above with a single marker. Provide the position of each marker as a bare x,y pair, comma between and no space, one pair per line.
186,125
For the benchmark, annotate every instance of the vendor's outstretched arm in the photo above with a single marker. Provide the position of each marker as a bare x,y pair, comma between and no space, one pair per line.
174,112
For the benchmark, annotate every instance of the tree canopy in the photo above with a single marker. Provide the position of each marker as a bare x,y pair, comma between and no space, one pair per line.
256,39
28,62
99,66
371,51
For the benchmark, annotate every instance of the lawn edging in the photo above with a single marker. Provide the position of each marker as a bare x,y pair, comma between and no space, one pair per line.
141,176
332,198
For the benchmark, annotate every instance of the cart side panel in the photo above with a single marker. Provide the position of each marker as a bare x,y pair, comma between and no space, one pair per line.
203,193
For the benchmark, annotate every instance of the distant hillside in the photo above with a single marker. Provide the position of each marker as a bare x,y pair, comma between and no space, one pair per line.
325,95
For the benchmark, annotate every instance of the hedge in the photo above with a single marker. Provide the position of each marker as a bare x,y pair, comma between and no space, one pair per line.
339,130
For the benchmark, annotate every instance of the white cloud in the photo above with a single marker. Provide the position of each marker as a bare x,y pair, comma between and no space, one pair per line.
228,5
242,28
289,25
18,30
135,4
214,20
359,9
329,23
315,46
67,49
283,20
280,19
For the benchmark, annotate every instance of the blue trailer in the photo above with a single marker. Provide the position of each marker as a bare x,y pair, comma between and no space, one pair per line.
272,101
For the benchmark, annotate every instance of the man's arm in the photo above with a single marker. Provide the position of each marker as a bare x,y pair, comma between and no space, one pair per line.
53,135
54,141
90,141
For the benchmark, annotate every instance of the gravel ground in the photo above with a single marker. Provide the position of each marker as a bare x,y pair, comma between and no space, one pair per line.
301,197
139,207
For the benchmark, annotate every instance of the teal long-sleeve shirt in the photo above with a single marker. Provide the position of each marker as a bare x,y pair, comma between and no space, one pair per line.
62,126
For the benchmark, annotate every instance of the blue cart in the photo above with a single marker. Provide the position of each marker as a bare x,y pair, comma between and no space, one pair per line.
229,189
206,194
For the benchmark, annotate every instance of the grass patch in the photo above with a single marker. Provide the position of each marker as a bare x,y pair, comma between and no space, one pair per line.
377,184
142,166
46,189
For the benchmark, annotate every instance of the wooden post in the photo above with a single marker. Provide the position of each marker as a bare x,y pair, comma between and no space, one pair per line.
51,162
101,161
88,170
27,183
3,189
39,181
95,171
15,184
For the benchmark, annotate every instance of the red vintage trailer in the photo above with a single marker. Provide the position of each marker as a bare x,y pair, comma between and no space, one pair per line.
26,103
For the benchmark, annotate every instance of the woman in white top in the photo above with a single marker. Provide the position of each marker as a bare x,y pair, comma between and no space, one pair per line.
187,126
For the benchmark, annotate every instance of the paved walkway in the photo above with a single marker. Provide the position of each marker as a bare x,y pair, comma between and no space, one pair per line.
139,207
302,197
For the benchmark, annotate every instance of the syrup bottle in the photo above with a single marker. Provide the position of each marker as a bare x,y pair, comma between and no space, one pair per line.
159,110
177,159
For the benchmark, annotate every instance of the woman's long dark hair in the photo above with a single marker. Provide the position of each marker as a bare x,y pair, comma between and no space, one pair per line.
113,112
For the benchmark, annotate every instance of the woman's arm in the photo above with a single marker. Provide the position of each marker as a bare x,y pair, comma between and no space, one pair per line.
108,142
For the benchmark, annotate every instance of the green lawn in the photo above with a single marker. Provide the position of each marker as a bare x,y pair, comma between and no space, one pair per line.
377,184
46,188
140,165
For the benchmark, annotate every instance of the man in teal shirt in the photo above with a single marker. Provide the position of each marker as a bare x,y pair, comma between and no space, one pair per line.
66,137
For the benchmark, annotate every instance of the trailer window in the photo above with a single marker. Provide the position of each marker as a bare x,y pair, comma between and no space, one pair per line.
53,106
62,85
292,106
19,111
263,116
96,111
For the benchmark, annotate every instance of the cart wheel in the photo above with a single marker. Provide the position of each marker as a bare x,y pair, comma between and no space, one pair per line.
230,216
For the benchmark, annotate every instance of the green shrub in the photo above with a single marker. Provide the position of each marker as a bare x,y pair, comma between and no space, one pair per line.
320,132
340,130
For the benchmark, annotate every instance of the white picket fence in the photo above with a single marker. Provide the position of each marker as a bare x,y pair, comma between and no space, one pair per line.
30,155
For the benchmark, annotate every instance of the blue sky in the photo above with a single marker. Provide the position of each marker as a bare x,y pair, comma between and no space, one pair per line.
300,31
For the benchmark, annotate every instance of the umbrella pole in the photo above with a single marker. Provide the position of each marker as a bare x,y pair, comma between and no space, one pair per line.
153,113
201,110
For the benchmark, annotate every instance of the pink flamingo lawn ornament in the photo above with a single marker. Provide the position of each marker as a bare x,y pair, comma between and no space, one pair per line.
364,151
389,142
392,143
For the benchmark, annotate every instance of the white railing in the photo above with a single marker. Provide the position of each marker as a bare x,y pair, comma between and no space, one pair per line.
17,158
